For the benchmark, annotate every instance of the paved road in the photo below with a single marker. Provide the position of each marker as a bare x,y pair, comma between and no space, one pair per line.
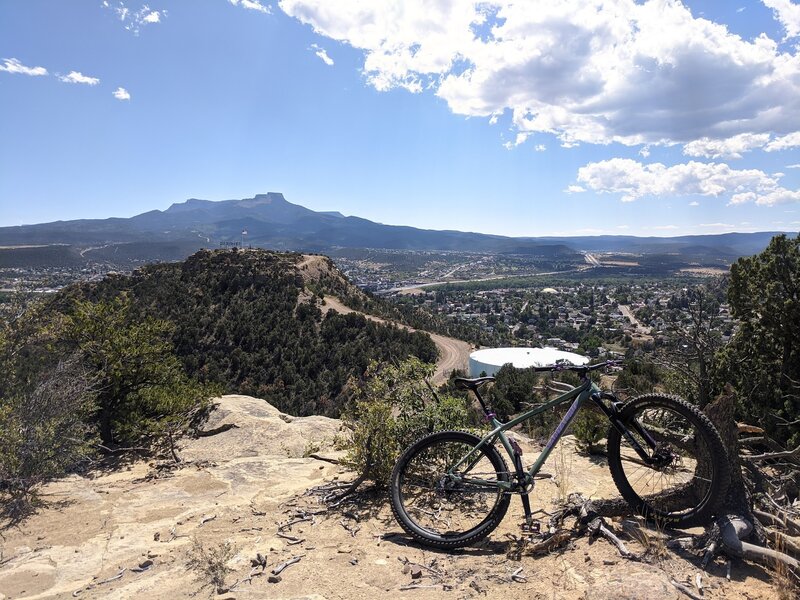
418,286
453,353
627,312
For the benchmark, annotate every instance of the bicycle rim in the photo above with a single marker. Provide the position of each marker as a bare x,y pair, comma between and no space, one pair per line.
442,503
676,482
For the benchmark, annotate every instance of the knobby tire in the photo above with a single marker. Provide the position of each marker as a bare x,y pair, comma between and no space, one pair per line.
430,508
687,490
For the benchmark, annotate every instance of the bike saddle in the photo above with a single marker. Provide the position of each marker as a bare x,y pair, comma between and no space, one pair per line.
471,384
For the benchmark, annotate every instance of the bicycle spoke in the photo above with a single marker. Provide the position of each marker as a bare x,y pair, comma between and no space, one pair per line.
442,502
671,480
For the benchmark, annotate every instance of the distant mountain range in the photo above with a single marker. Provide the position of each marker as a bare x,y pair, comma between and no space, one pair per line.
270,221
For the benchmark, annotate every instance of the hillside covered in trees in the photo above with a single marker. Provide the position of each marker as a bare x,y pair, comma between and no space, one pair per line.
251,321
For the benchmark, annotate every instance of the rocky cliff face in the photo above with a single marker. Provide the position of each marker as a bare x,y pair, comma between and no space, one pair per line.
128,532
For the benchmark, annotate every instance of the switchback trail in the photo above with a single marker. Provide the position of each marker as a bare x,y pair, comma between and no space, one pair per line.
453,353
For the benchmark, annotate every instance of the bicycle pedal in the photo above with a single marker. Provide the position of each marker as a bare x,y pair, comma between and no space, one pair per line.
535,528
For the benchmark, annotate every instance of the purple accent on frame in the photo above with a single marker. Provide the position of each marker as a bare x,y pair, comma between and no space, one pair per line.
564,423
490,416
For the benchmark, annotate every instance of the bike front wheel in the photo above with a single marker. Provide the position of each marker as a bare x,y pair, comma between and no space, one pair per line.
444,507
684,473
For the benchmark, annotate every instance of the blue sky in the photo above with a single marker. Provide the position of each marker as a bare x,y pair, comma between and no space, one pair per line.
526,118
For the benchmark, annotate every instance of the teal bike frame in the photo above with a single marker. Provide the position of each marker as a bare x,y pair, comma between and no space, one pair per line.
521,480
580,394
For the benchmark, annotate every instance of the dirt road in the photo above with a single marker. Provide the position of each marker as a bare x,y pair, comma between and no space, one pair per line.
627,312
453,353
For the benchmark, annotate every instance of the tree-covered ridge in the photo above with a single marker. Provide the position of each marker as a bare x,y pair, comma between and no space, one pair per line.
250,321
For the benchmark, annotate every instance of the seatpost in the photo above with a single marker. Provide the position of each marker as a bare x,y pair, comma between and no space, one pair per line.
486,411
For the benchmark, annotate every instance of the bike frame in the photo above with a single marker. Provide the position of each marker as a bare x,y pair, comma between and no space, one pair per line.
586,391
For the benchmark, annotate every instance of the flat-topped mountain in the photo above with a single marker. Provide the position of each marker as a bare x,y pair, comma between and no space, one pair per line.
270,221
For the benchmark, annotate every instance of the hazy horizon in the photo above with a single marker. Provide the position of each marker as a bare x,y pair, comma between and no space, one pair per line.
554,235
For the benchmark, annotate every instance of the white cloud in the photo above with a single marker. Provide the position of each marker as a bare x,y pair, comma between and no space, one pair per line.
322,54
252,5
634,180
662,227
779,196
121,94
518,141
540,147
743,198
78,77
694,203
574,189
12,65
787,13
600,72
716,225
134,20
152,17
732,147
794,166
791,140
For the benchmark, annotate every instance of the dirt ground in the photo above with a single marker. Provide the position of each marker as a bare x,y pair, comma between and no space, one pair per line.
128,533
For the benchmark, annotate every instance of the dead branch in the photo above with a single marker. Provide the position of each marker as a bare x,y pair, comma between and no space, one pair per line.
781,540
114,578
734,529
289,524
414,586
113,451
792,455
782,521
558,539
333,461
685,590
352,530
598,527
282,566
409,563
216,430
254,572
747,428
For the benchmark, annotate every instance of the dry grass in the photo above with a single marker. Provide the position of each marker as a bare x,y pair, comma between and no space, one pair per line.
562,468
652,538
782,578
210,564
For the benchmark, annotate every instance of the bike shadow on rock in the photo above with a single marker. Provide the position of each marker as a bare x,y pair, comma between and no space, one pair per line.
483,548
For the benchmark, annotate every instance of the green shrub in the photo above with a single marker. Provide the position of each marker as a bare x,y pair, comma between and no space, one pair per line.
390,410
143,396
589,427
43,434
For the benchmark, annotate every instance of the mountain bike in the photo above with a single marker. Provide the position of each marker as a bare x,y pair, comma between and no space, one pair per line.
452,488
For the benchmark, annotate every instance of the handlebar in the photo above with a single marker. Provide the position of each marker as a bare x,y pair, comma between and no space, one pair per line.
577,368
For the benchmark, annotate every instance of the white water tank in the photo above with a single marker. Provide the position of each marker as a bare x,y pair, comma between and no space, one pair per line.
489,360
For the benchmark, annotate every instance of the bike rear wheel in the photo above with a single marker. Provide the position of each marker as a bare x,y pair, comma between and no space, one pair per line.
685,474
439,508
